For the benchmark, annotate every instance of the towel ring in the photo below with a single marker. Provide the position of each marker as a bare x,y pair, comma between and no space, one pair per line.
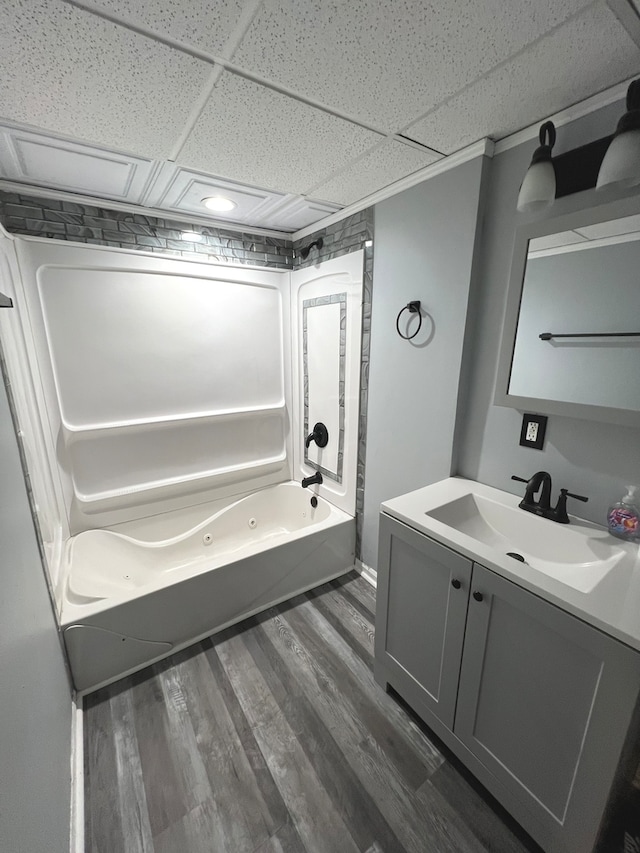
412,308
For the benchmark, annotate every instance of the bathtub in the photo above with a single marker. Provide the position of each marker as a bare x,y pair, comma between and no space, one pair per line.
130,600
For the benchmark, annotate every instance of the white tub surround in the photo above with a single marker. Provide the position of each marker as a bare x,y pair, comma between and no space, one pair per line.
129,601
326,314
26,397
152,383
159,394
161,382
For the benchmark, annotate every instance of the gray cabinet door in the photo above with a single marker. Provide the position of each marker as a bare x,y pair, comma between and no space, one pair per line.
544,702
420,617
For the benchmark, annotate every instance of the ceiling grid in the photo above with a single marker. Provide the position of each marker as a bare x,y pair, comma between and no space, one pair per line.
293,109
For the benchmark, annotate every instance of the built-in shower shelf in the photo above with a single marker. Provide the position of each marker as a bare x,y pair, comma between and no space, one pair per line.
176,486
146,459
73,429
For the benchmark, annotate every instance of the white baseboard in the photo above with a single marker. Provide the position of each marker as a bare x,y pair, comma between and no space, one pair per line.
369,574
76,844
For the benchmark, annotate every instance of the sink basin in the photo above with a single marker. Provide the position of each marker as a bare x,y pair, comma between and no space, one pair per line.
579,567
579,556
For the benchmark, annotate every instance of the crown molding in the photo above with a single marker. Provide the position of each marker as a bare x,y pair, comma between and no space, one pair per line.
628,15
485,146
482,148
576,111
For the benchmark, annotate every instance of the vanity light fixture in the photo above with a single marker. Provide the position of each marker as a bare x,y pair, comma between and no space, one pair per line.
612,161
621,164
538,188
192,236
219,203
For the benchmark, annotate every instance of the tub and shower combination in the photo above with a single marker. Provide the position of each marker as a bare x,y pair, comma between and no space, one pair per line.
130,601
165,405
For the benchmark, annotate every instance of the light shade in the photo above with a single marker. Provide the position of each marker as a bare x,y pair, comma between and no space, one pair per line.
538,188
621,164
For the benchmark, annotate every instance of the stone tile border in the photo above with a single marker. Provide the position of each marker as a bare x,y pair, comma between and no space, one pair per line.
100,226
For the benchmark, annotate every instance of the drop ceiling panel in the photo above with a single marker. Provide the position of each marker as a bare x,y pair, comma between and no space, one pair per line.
296,213
254,135
70,72
388,163
585,55
46,162
182,190
199,23
388,62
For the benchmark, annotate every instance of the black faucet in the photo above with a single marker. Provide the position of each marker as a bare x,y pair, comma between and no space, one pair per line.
529,503
312,480
543,505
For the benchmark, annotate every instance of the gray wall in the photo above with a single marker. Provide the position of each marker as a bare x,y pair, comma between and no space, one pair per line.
35,709
590,458
424,243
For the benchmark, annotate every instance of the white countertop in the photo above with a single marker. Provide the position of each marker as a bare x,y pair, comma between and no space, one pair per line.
613,605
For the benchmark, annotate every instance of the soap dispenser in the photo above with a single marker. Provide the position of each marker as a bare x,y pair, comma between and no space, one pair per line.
623,518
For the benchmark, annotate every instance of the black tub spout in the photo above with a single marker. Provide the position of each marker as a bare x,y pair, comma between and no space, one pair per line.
312,480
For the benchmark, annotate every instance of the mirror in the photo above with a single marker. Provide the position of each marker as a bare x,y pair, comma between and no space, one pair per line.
571,341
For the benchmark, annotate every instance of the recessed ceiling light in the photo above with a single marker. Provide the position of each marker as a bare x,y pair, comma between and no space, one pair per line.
218,203
192,236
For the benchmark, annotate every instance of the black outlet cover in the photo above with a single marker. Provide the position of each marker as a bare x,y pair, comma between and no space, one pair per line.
533,430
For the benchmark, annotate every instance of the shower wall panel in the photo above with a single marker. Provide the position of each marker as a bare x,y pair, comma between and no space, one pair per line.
162,380
41,471
327,307
324,358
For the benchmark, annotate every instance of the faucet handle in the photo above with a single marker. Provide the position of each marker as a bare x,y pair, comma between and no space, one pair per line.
519,479
320,435
571,495
559,513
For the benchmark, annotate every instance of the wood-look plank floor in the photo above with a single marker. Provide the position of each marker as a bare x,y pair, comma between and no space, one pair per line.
272,737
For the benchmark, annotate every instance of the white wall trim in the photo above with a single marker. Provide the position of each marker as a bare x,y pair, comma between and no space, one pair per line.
366,572
576,111
157,212
76,838
483,147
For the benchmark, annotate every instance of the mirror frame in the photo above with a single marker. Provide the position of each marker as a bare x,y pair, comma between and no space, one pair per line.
541,228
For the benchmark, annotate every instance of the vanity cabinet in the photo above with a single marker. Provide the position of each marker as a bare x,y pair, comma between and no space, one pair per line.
425,602
534,701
